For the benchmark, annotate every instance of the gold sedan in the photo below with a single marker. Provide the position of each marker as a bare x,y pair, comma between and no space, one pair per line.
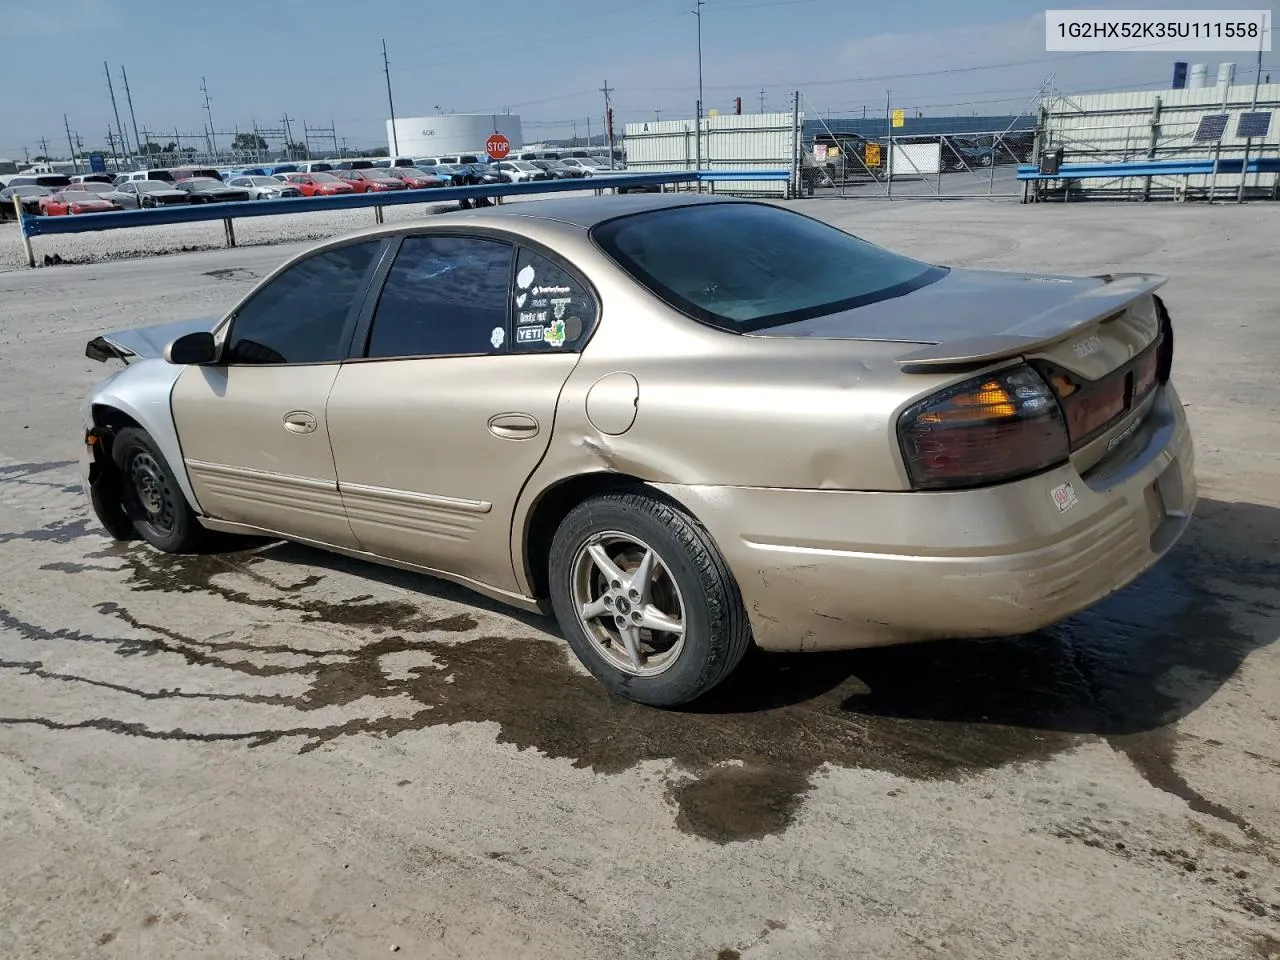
684,425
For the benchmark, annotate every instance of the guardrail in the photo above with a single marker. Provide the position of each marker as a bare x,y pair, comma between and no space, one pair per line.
1032,178
1150,168
241,210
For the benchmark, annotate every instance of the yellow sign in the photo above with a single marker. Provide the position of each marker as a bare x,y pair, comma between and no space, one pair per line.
833,151
899,118
873,155
713,113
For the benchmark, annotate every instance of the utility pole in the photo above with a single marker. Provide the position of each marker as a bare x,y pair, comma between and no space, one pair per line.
762,99
608,120
124,144
288,137
44,149
208,112
129,100
75,162
386,68
697,12
111,142
657,116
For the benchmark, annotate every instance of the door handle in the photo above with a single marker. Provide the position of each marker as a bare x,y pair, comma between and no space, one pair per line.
299,421
513,426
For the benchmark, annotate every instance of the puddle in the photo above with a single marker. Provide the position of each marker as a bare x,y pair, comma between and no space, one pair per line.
746,756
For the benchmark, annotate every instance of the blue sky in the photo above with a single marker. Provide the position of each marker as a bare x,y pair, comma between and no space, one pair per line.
317,60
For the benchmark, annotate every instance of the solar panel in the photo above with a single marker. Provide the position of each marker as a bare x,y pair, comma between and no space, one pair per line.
1253,124
1212,127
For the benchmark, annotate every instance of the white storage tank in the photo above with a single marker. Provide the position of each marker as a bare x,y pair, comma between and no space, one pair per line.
1226,74
1198,77
451,134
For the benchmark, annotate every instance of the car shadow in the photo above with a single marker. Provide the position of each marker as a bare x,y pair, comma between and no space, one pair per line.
1141,659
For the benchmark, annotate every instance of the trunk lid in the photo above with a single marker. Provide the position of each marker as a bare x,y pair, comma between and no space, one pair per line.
144,343
1103,344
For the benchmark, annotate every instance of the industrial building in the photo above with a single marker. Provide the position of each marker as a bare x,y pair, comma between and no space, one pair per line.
1170,125
446,135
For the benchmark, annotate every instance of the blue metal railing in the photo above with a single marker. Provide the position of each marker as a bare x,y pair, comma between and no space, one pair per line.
1150,168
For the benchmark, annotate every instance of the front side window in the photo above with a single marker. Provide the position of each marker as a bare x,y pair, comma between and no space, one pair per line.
301,315
553,310
751,266
444,296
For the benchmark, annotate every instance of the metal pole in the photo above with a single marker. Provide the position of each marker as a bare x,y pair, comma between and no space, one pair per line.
1257,79
608,125
208,112
132,117
1217,147
697,12
124,143
795,145
888,160
75,162
22,227
386,67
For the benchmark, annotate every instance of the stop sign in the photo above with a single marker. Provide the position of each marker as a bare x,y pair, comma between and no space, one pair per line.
497,146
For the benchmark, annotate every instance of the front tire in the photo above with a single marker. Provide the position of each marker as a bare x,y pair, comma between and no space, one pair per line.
151,497
645,600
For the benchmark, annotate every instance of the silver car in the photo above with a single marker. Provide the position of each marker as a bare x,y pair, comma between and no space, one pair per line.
265,188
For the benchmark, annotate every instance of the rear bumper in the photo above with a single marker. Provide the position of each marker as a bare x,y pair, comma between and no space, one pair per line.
822,570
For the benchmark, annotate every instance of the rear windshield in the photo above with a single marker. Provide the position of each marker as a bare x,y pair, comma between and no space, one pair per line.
750,266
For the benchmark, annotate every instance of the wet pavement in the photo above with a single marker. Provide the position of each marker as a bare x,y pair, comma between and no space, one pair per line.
378,755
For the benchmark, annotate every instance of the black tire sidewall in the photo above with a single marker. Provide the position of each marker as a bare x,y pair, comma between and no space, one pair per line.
698,572
186,531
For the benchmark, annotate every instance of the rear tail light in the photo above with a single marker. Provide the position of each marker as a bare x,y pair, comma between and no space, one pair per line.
990,429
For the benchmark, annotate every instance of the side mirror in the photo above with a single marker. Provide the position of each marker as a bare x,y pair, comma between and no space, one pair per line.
192,349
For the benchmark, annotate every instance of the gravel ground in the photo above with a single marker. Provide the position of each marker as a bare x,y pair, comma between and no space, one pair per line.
274,753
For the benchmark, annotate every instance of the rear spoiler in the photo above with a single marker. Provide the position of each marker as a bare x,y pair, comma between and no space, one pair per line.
1095,305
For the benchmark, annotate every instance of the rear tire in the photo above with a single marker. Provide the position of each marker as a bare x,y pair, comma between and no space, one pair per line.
152,499
597,584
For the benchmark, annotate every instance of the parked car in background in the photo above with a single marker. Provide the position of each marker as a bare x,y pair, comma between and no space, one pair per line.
318,184
370,180
522,171
210,190
265,188
450,173
310,166
91,178
354,165
28,195
52,181
174,174
93,186
73,200
589,166
140,194
558,170
416,179
487,173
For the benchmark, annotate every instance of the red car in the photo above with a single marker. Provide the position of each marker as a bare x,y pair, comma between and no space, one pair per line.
365,181
318,184
73,200
415,179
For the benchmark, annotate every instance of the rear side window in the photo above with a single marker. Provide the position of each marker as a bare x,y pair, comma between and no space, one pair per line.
302,315
750,266
444,296
553,309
